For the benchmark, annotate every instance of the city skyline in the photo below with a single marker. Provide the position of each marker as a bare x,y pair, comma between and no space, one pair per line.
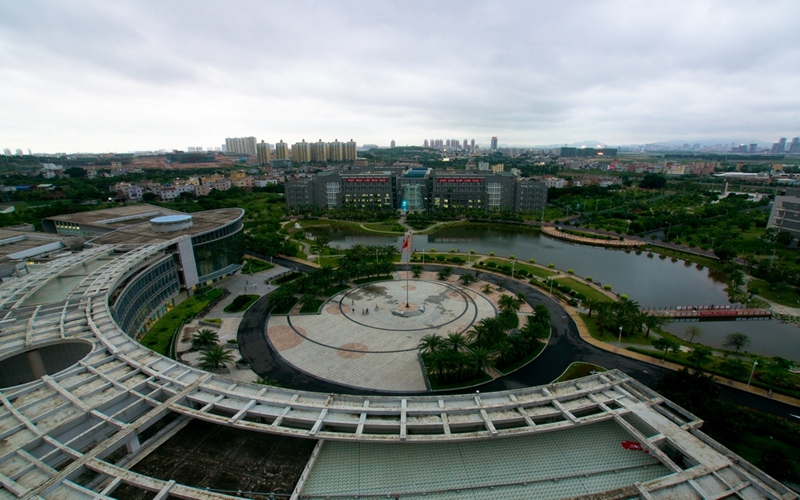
135,76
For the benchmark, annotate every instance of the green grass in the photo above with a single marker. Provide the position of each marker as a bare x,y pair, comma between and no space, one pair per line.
333,290
534,270
783,294
284,310
386,227
246,306
372,279
585,289
435,386
252,266
329,261
578,370
430,258
160,335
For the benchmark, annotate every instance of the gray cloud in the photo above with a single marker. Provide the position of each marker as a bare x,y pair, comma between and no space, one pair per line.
140,75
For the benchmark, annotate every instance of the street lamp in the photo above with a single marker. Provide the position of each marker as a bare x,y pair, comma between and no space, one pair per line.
619,339
551,286
512,268
751,373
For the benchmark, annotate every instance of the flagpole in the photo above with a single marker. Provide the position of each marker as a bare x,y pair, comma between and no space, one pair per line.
408,265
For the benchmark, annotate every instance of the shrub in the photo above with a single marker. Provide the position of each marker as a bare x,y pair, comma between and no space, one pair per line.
239,302
452,250
491,254
441,258
232,341
606,287
472,252
532,261
491,264
551,265
506,268
512,257
570,271
456,260
623,296
432,249
589,279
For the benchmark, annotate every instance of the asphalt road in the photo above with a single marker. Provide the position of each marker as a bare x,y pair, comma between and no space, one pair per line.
565,346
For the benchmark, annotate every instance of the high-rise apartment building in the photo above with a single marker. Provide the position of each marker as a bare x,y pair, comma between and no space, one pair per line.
263,153
336,150
794,146
319,151
424,145
301,152
350,151
472,145
241,145
779,147
391,145
494,143
281,151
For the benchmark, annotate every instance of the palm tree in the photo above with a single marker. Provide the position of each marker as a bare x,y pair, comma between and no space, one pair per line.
456,341
204,338
653,321
487,288
507,351
509,303
467,279
591,304
430,343
416,270
481,359
521,297
215,358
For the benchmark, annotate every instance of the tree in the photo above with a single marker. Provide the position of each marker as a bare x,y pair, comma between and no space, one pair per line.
733,368
204,338
215,358
591,304
321,244
481,359
467,279
430,343
416,270
486,332
509,303
736,341
444,273
695,392
725,253
776,371
148,197
776,463
487,288
456,341
653,321
784,238
699,356
653,181
693,331
75,172
665,344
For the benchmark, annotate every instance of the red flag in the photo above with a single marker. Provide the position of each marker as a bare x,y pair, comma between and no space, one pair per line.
406,241
632,445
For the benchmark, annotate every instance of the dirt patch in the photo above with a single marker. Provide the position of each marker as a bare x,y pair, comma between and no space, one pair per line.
410,288
283,337
351,350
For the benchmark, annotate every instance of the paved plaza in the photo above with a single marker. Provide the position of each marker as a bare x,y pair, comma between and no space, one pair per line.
378,350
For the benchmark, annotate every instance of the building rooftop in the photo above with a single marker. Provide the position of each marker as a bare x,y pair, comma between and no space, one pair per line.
142,233
117,217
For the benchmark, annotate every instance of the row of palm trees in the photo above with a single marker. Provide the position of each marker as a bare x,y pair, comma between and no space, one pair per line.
624,313
460,357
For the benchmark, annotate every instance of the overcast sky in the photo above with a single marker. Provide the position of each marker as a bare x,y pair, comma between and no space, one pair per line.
122,76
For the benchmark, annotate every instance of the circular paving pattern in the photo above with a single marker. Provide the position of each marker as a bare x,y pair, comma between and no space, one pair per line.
366,337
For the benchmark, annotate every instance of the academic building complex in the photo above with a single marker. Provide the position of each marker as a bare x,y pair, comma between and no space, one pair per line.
89,413
418,189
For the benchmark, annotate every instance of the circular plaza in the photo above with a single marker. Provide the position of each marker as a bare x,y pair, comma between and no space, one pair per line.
366,337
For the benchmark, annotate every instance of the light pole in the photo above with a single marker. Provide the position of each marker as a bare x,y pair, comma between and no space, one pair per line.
551,286
512,268
712,242
619,339
751,373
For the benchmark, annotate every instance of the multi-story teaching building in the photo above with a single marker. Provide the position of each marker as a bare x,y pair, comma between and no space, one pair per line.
418,189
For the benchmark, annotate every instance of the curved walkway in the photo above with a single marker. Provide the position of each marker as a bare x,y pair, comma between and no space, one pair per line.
617,243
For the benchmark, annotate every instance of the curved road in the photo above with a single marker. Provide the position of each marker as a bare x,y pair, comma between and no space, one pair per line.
564,347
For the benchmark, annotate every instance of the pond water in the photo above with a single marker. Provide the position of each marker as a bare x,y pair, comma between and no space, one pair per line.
651,281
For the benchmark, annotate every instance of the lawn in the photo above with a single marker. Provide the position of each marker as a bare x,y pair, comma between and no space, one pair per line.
578,370
581,287
783,294
329,261
440,258
253,266
245,305
160,334
534,270
312,307
386,227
